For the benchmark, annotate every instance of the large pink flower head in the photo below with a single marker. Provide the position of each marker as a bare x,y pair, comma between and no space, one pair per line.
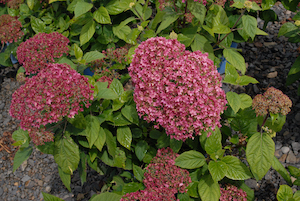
52,94
178,89
10,29
35,53
163,179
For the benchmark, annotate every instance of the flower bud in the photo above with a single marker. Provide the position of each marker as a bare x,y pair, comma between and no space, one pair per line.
173,35
248,5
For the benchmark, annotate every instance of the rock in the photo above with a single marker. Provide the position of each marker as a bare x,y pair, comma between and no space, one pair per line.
48,189
285,149
272,75
278,145
278,153
282,158
48,178
23,165
80,196
251,183
2,106
269,44
1,191
293,179
40,182
255,89
16,184
268,176
297,117
29,184
25,178
291,158
296,147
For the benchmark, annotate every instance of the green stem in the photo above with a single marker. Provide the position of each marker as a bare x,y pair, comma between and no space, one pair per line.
230,29
264,122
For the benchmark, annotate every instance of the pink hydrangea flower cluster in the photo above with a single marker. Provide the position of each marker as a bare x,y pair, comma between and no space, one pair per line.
46,98
35,53
204,2
232,193
178,89
273,101
14,4
162,179
10,29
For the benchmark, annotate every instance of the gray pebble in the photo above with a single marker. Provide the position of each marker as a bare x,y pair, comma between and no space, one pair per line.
25,178
285,149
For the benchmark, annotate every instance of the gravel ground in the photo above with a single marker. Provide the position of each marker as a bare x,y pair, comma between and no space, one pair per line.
269,59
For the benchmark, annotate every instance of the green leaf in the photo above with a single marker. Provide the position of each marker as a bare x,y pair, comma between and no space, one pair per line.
92,56
250,25
87,32
119,158
234,100
167,21
115,7
276,165
111,143
190,160
202,44
92,129
246,101
48,197
30,4
295,172
208,189
119,120
107,196
212,143
82,167
21,136
245,122
64,60
259,152
236,169
163,141
101,16
267,4
78,121
197,9
245,80
47,148
78,52
297,195
21,156
155,134
82,8
37,25
129,111
99,143
141,149
296,67
221,29
138,173
231,75
124,136
117,87
175,145
106,94
217,170
260,32
131,187
65,178
66,154
193,189
286,27
235,59
284,193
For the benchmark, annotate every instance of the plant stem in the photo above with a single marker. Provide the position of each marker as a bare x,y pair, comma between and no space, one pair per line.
231,28
2,47
264,122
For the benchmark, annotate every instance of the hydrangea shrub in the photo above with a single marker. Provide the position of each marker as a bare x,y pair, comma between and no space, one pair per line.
10,29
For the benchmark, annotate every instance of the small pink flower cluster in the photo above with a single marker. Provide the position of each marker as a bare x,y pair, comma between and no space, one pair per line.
10,29
36,52
111,56
232,193
273,101
46,98
108,76
204,2
14,4
180,90
162,179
